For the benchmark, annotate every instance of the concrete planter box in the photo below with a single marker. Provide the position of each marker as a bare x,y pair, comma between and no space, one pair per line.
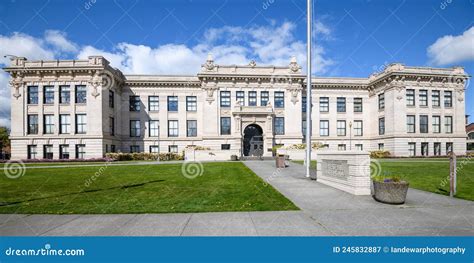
390,192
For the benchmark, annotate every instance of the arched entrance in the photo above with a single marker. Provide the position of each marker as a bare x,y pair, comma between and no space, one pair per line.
253,140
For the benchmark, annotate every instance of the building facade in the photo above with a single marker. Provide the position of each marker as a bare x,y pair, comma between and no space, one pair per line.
85,108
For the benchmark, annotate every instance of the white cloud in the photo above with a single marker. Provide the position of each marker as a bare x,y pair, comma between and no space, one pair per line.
450,49
59,41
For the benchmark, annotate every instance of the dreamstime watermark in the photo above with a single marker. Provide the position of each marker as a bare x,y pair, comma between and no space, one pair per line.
89,181
88,4
267,3
274,175
459,167
14,169
192,169
46,251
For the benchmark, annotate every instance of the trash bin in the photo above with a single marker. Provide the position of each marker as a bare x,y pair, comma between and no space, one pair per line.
280,161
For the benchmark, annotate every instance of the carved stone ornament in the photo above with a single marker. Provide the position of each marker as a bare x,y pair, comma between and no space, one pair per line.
294,95
210,93
209,65
95,83
294,67
253,63
460,94
16,85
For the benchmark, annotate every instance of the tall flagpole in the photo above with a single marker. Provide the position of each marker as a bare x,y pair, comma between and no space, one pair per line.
308,91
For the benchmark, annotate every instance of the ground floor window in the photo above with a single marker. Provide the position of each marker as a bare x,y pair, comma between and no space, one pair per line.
359,147
225,146
112,148
412,148
225,125
48,152
381,147
173,148
32,152
64,151
437,148
80,151
154,149
134,148
341,147
424,149
449,147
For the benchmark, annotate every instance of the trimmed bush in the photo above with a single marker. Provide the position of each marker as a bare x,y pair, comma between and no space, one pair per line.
145,156
379,154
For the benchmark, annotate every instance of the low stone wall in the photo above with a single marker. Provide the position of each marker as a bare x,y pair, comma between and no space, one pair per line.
297,154
209,155
348,171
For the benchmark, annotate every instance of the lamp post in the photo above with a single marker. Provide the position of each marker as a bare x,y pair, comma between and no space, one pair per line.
308,89
350,135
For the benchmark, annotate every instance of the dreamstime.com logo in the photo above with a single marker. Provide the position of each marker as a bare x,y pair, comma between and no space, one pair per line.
43,251
192,169
14,169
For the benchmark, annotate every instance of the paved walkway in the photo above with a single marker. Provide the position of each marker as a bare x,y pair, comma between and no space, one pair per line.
325,211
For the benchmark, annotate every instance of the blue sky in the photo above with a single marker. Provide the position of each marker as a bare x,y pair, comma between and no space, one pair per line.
352,38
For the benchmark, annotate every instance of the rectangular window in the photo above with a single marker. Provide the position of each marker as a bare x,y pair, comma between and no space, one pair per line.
358,128
225,99
191,103
154,149
153,103
135,129
448,124
225,125
65,94
173,128
154,128
240,97
48,123
134,102
65,123
359,147
423,98
448,99
381,146
279,125
112,126
303,104
411,126
381,126
33,124
279,99
172,103
173,148
437,149
191,126
48,151
341,147
225,146
80,151
341,128
341,104
32,152
436,124
134,148
64,151
423,123
324,128
435,98
112,148
81,123
381,101
48,94
424,149
111,99
410,97
358,105
264,97
324,104
32,95
449,147
412,148
81,94
252,98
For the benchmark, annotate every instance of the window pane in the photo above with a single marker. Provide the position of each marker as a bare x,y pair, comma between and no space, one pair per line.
341,104
191,103
225,126
81,94
279,125
65,96
173,128
153,103
225,98
264,95
191,128
172,103
324,104
279,99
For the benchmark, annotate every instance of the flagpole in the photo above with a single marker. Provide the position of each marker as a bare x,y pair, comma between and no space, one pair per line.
308,90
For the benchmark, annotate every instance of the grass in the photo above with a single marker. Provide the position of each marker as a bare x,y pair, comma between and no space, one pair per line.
138,189
2,165
312,166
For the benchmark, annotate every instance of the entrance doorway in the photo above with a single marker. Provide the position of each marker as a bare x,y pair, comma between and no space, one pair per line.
253,140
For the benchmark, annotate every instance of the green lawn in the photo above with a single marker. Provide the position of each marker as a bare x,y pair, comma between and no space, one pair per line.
138,189
312,166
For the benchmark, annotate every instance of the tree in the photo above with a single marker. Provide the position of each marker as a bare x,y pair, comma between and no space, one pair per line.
4,139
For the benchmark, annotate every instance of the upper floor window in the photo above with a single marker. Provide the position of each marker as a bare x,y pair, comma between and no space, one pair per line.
448,124
252,98
324,104
411,126
48,94
225,99
135,128
191,129
48,124
448,99
81,94
134,102
154,128
341,104
436,124
153,103
33,124
32,95
423,97
173,130
172,103
435,98
225,126
303,104
410,97
381,101
358,105
423,123
358,128
264,97
111,99
341,128
279,125
381,126
324,128
279,99
191,103
470,136
81,123
240,97
65,94
65,123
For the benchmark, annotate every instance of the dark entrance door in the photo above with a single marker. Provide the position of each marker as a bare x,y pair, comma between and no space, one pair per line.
253,140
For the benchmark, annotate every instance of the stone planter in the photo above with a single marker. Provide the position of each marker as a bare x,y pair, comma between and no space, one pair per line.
234,157
390,192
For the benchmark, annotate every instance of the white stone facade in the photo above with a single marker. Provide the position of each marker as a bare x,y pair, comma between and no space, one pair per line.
142,116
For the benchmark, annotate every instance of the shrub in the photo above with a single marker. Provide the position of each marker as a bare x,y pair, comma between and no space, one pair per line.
379,154
302,146
145,156
198,148
387,179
